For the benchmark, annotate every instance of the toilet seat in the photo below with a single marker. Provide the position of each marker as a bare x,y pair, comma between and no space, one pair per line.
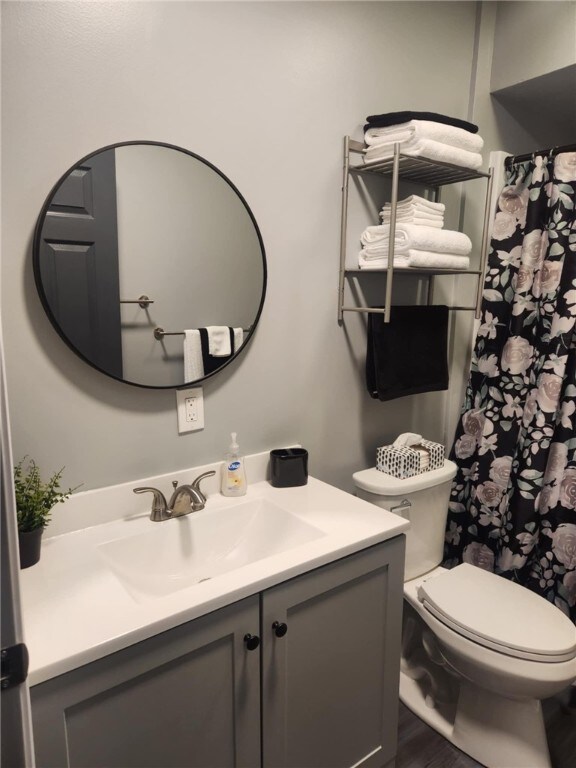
499,614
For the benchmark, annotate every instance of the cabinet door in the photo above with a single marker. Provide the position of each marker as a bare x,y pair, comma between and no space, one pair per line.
188,697
330,684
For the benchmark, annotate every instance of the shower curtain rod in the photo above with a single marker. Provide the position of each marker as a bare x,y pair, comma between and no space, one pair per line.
515,159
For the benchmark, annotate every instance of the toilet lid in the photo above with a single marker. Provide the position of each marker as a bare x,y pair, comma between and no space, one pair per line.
383,484
499,614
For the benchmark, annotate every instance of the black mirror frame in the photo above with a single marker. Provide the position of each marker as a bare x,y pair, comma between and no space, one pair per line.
42,295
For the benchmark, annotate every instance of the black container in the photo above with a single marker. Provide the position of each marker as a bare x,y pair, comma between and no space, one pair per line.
29,544
288,467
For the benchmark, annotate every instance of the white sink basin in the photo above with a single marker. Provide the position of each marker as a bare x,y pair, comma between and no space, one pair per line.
179,553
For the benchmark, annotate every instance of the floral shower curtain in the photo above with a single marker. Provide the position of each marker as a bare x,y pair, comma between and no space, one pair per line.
513,500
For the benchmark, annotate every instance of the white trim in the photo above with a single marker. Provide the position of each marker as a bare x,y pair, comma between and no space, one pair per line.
15,701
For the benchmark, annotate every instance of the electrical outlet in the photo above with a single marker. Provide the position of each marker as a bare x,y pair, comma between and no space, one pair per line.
190,409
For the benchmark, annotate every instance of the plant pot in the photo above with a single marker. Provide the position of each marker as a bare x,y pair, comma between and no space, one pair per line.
29,543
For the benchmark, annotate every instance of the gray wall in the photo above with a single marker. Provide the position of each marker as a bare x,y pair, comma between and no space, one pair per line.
183,236
533,77
532,39
265,91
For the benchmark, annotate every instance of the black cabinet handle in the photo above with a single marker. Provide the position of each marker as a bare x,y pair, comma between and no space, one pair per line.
280,628
252,642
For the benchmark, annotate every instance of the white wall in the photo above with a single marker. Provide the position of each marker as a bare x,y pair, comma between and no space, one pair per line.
265,91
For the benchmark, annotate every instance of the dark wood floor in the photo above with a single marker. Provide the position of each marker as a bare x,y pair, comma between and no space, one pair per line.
420,746
560,719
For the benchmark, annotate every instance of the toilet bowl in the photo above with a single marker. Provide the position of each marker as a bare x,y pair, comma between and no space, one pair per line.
479,652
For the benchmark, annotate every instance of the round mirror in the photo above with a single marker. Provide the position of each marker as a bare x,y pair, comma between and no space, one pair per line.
150,264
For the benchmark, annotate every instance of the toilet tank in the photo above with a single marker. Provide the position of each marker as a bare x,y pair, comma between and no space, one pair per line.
422,499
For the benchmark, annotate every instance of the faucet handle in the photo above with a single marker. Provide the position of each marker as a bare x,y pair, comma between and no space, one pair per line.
196,483
159,511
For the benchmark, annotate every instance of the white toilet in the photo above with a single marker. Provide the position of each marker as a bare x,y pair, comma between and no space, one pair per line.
479,652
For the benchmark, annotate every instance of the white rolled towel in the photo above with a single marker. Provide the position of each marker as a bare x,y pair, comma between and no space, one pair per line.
428,149
411,236
377,251
376,234
414,130
414,236
433,260
380,262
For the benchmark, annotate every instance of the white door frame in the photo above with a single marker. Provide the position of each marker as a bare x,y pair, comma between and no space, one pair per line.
17,749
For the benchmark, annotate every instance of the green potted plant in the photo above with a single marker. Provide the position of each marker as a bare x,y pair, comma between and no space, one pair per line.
34,502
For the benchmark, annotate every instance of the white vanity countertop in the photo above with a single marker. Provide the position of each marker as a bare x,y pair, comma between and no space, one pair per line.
76,610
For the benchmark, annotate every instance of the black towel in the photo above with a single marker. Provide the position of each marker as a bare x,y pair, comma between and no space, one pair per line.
211,363
394,118
409,354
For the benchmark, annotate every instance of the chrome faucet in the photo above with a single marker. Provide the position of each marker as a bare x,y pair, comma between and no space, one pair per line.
185,499
159,511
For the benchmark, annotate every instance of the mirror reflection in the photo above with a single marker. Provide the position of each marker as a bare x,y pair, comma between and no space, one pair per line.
150,264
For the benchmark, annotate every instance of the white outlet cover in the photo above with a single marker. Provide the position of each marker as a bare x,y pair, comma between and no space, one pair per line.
184,409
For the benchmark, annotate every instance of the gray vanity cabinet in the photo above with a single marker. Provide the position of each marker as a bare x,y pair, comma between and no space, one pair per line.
187,698
320,691
330,683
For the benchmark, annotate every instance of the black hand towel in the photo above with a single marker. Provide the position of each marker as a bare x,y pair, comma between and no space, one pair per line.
394,118
409,354
211,363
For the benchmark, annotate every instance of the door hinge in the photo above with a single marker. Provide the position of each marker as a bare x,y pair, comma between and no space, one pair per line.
14,663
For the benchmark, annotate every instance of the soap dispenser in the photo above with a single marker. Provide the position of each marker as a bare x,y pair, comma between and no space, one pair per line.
233,471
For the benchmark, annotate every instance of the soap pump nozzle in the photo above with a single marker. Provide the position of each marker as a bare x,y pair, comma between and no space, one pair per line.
234,447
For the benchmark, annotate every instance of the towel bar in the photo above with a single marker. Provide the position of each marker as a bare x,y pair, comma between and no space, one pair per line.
159,333
143,301
382,311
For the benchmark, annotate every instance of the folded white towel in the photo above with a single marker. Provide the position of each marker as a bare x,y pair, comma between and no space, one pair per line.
193,365
415,210
415,236
238,338
381,262
219,340
425,129
426,148
415,202
420,210
425,259
414,218
416,260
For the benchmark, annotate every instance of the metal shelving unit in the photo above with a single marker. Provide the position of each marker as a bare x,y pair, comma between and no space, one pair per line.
430,174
